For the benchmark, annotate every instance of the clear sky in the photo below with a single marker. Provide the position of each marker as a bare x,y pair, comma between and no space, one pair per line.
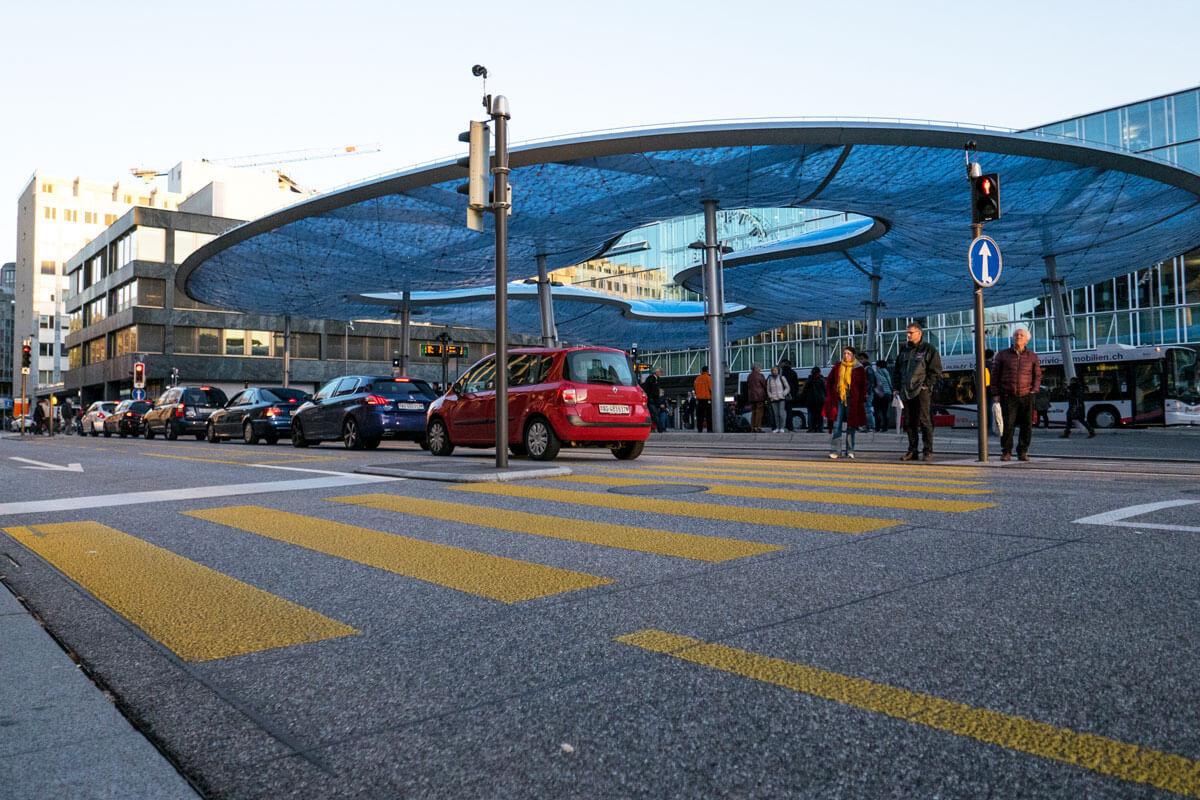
94,89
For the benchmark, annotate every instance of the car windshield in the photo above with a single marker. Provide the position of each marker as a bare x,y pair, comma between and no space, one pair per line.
279,395
204,397
598,366
402,390
139,407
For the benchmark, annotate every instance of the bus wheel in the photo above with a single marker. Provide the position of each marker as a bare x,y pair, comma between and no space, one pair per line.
1105,417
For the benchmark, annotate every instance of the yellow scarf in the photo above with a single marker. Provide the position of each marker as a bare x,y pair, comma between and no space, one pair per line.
844,378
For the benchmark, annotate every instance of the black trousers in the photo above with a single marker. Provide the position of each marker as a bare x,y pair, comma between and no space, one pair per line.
816,422
916,419
1077,413
1017,411
703,415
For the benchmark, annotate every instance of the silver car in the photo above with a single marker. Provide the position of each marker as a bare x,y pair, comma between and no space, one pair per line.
93,418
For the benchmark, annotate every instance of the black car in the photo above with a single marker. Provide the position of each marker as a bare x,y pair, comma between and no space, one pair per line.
256,414
182,409
126,418
363,410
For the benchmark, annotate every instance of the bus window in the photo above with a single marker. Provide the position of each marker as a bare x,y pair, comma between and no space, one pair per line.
1183,380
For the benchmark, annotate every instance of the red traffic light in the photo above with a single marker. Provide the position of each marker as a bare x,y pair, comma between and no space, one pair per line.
985,198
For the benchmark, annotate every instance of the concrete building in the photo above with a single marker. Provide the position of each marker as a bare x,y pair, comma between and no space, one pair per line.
7,347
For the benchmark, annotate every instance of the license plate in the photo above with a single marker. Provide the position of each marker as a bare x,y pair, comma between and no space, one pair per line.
608,408
410,406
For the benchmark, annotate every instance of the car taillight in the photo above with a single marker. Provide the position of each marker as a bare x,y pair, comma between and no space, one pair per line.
571,394
272,412
179,410
376,400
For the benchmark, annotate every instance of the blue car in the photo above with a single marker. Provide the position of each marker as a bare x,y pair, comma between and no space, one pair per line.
362,411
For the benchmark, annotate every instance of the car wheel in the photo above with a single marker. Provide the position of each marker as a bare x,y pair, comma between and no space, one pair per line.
123,434
107,433
423,443
439,439
210,433
200,437
149,434
371,444
271,438
518,450
94,432
627,451
351,436
170,432
298,439
248,434
540,440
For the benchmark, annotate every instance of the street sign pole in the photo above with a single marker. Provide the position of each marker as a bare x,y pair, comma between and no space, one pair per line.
499,208
980,342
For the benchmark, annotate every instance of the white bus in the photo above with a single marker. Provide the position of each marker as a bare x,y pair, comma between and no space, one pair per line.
1148,385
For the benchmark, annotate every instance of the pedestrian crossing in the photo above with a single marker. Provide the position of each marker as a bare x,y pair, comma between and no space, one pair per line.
741,509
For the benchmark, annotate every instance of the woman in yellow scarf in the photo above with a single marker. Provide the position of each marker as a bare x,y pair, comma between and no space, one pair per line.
845,393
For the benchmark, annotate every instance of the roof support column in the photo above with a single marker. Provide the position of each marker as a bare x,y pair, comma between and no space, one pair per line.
716,316
287,350
405,331
872,332
546,305
1062,333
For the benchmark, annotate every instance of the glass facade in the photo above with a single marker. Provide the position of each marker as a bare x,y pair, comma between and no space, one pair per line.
1157,304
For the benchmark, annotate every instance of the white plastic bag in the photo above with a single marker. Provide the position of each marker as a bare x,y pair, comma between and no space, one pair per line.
997,418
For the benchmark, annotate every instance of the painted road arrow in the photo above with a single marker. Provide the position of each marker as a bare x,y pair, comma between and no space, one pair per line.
75,467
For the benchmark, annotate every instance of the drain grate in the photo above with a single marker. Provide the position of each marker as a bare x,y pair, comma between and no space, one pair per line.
657,489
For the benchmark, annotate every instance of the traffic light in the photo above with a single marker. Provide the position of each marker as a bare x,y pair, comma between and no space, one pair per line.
26,354
139,375
476,188
985,198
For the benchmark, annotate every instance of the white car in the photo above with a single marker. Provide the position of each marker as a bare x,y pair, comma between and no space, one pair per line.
93,419
19,422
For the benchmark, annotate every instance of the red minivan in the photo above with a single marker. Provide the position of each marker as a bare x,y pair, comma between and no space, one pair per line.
557,397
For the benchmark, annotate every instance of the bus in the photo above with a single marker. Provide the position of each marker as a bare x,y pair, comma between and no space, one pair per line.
1123,385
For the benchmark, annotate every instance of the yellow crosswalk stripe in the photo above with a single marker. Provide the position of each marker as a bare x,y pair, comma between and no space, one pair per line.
822,480
919,468
196,612
807,471
838,498
834,523
505,579
643,540
1127,762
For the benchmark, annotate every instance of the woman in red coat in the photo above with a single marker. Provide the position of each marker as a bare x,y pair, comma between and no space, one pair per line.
845,393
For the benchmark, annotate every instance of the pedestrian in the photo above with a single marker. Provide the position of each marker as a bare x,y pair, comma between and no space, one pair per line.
68,416
702,386
654,400
688,409
992,401
1041,404
756,396
918,369
1018,378
869,399
881,397
777,393
39,418
845,393
1075,409
793,382
813,397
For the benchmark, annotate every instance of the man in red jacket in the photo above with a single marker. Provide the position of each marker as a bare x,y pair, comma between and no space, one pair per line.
1017,377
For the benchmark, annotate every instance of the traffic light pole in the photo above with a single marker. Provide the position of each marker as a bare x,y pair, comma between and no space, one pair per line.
499,208
980,363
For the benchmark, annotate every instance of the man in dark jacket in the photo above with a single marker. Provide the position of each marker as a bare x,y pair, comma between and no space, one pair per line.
918,369
793,382
1017,377
813,397
654,400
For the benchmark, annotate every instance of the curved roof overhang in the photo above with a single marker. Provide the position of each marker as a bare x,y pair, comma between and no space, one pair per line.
1101,212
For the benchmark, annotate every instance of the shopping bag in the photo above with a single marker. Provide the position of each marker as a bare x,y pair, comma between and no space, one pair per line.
997,418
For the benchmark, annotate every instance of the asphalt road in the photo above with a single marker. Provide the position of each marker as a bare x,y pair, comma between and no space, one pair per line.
682,626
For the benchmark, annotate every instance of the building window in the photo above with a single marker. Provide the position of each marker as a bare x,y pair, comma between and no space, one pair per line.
93,270
70,215
109,219
95,351
46,349
235,343
377,349
150,338
125,341
126,250
208,341
260,343
94,311
151,292
50,213
48,188
45,321
306,345
123,297
75,357
357,348
90,217
151,245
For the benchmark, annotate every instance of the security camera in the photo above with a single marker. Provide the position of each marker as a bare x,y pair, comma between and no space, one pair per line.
479,71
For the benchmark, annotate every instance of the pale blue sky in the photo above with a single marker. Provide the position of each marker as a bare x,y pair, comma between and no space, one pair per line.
94,89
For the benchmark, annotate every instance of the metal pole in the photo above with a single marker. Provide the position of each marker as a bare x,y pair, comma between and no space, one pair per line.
980,384
546,304
500,116
1063,335
873,318
716,314
405,322
287,350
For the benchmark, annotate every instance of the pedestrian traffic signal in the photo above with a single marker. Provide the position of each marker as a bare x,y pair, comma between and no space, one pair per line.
985,198
139,375
476,188
26,354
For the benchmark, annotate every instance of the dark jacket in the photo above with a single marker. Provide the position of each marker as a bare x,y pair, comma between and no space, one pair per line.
756,388
793,381
1075,399
813,393
653,393
1016,374
917,367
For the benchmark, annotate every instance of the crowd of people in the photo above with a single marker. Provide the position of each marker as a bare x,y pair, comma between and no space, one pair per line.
857,395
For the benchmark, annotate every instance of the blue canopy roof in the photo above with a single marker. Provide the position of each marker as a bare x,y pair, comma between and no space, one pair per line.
1099,211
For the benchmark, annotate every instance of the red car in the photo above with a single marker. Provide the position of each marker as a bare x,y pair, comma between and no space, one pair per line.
558,397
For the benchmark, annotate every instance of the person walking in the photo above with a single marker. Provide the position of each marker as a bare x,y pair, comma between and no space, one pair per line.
756,396
702,386
1017,376
688,409
1041,404
793,382
39,418
654,400
881,398
869,400
918,369
68,416
845,395
778,392
992,402
1075,409
812,395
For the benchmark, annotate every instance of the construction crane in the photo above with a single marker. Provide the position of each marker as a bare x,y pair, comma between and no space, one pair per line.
264,159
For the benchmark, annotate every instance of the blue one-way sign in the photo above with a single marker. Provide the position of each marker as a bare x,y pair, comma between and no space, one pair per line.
983,257
138,394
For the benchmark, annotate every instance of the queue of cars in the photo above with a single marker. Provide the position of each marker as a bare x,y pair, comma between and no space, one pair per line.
558,397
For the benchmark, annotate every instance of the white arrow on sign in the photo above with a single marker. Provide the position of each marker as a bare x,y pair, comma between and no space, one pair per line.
984,254
75,467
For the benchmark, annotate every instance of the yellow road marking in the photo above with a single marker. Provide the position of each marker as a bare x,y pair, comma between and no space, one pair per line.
839,498
503,579
834,523
918,468
815,471
866,483
1096,753
196,612
195,458
644,540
